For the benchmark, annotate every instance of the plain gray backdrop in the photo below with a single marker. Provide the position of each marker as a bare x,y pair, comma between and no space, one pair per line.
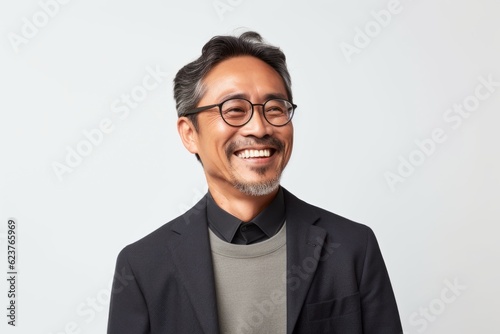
397,128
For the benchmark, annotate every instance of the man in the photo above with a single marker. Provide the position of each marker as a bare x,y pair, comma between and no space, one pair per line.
250,257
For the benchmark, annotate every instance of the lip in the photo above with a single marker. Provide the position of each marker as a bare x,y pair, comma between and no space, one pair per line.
261,162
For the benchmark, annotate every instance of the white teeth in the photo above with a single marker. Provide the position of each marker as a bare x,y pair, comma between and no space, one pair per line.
254,154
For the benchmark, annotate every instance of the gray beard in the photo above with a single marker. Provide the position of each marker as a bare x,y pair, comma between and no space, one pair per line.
258,188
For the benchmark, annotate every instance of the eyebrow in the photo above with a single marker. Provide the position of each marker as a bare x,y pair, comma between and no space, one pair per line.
267,97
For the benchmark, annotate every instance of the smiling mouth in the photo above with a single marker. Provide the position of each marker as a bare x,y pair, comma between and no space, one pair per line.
252,154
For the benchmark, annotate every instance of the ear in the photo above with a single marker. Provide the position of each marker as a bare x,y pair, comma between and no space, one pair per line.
188,134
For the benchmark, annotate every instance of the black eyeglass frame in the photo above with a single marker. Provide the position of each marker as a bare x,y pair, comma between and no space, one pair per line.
219,105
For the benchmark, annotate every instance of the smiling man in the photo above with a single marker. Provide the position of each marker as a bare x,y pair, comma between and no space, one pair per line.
250,257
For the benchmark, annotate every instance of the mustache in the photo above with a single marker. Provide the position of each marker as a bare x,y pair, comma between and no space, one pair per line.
267,140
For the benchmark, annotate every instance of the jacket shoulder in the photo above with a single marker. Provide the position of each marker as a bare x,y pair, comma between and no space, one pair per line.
324,216
156,243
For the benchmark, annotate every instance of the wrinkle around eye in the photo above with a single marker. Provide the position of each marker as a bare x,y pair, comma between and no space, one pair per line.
212,119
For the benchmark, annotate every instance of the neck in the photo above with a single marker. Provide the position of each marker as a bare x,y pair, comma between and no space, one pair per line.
240,205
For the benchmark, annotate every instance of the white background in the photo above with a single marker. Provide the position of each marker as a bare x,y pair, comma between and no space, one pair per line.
355,119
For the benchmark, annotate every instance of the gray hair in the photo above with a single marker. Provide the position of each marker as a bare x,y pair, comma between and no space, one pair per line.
188,86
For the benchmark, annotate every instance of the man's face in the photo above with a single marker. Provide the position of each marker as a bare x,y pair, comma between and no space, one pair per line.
226,151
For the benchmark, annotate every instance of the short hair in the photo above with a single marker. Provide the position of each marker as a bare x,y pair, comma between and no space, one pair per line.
188,85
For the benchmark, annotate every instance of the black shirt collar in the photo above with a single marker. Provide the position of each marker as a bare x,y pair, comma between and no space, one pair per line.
226,226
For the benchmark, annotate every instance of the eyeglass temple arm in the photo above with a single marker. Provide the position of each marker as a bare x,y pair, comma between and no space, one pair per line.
200,109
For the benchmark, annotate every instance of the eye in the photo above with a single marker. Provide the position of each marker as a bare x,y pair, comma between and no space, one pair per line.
235,108
276,108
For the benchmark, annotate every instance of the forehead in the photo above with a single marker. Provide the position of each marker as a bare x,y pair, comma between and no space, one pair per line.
244,75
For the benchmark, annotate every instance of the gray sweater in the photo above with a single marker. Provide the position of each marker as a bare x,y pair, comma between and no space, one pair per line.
250,282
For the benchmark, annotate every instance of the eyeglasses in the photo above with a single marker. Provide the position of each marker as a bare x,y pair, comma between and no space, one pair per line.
238,112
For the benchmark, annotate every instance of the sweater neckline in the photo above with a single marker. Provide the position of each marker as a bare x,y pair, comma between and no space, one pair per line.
271,245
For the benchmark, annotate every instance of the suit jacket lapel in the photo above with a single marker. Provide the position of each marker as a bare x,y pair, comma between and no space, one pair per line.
304,244
192,257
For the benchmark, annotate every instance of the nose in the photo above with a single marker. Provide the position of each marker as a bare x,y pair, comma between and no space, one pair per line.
258,126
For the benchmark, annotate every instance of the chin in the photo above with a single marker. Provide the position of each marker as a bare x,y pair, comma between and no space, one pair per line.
261,188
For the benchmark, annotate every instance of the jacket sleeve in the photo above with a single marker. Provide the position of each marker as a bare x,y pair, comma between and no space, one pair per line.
378,304
128,312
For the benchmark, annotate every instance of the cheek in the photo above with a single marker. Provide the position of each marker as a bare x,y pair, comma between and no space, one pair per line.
215,135
287,136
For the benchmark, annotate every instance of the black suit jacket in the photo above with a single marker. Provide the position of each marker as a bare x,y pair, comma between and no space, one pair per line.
337,281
